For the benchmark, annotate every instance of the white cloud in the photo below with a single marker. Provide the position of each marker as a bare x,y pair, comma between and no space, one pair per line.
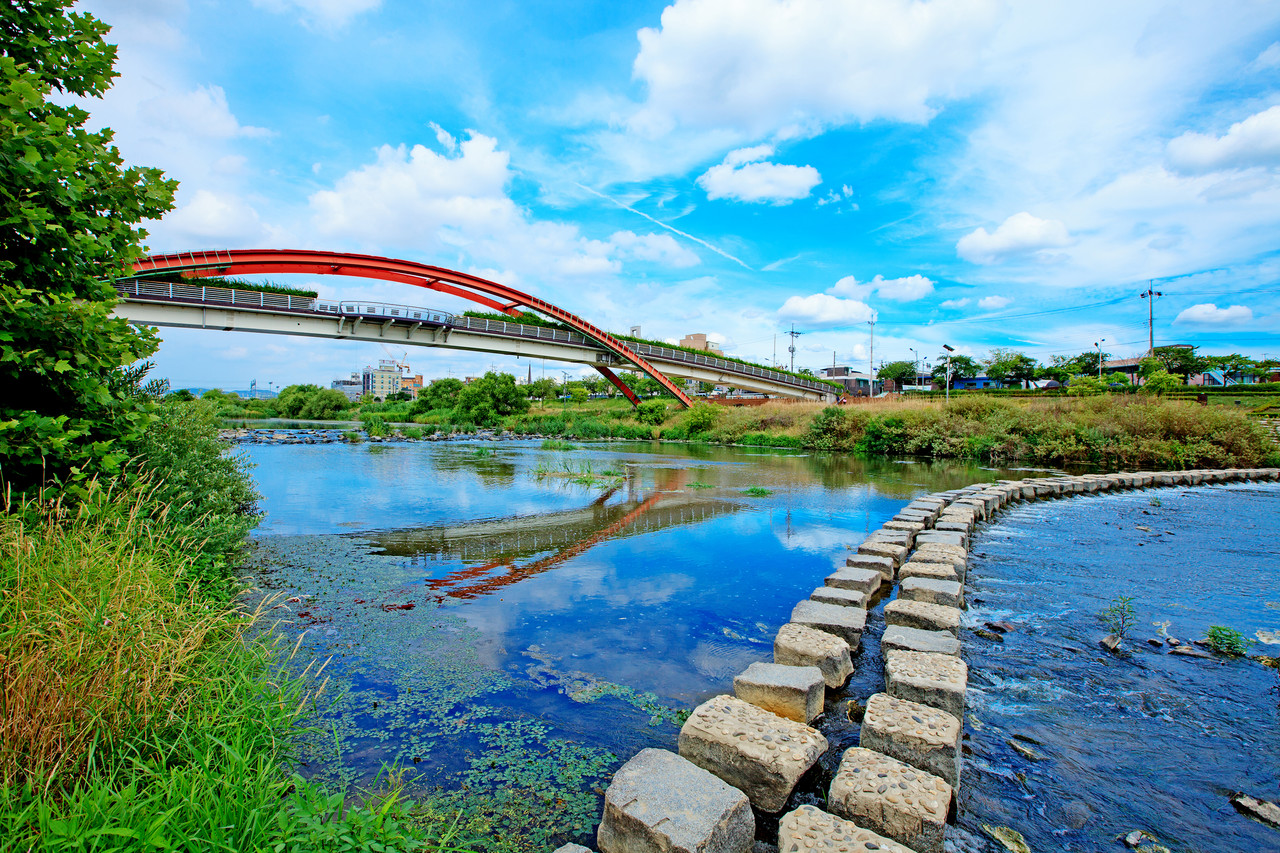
216,219
992,303
1020,235
745,175
821,309
658,248
762,65
324,14
201,113
1255,141
956,303
1209,314
905,289
1269,58
837,196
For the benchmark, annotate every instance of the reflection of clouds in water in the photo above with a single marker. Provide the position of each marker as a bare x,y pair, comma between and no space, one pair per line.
819,540
720,660
1271,638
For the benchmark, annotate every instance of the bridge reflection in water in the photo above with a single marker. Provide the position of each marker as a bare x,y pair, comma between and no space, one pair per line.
499,548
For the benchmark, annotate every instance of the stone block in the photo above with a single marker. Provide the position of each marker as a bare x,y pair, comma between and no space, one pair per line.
954,527
660,803
930,510
794,692
896,537
800,645
907,526
942,537
847,623
924,737
923,616
883,565
914,568
863,580
809,829
572,848
930,679
759,753
939,553
946,593
896,553
891,798
959,513
915,640
842,597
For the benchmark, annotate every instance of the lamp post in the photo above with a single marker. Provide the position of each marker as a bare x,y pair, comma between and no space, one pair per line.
1098,344
915,365
950,349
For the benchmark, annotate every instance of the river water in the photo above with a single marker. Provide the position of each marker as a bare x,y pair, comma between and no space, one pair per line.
509,623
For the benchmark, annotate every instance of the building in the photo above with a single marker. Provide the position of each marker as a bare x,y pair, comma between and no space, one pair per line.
411,385
972,382
698,340
855,383
383,380
353,387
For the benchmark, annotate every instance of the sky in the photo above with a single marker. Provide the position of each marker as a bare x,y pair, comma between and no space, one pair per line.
976,173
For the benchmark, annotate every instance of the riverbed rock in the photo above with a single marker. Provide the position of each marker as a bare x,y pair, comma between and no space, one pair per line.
759,753
1190,652
794,692
866,581
1010,839
1260,810
659,802
1111,642
915,640
932,679
800,645
842,597
847,623
572,848
922,615
891,798
925,737
809,829
946,593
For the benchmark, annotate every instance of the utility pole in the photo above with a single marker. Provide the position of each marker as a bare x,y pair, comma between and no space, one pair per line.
950,349
792,349
1151,294
1098,344
871,359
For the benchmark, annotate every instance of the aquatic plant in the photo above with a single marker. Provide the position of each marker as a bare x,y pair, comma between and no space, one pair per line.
482,453
757,492
696,485
375,426
1227,641
558,444
1120,616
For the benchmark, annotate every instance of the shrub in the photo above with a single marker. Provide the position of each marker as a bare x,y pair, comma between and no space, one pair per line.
652,412
374,426
701,417
1227,641
1120,616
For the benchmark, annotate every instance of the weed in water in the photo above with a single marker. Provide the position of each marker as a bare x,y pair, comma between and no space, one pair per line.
1154,502
482,453
558,444
1227,641
697,485
1120,616
757,492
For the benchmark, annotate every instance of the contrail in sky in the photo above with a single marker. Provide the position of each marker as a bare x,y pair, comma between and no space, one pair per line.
658,222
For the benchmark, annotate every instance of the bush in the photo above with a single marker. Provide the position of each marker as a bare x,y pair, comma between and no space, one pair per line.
652,412
374,426
701,417
490,398
1120,616
311,402
1227,641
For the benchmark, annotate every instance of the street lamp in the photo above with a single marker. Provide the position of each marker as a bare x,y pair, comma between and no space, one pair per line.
1098,344
915,365
950,349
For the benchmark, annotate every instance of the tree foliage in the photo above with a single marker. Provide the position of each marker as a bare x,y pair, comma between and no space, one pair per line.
1180,360
962,367
488,399
311,402
1161,382
901,372
1006,365
542,388
69,211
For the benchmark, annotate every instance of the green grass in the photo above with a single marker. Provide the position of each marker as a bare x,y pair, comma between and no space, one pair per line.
756,492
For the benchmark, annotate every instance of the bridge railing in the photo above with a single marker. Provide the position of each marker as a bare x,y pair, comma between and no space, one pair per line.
142,288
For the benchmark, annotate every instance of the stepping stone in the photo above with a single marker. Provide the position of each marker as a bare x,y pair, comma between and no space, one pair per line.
883,565
799,645
794,692
964,527
809,829
891,798
915,640
660,803
932,552
836,595
914,568
947,593
930,679
759,753
893,537
847,623
941,537
916,734
959,513
922,615
909,526
863,580
896,553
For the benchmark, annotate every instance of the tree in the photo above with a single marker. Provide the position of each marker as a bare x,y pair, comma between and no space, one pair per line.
577,392
962,367
900,372
487,399
439,394
1161,382
1234,365
1180,360
542,388
69,212
1006,365
310,402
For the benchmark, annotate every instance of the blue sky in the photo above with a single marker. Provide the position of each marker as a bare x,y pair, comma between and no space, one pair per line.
972,172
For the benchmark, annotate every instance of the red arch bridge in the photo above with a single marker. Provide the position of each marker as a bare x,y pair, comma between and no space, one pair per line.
164,291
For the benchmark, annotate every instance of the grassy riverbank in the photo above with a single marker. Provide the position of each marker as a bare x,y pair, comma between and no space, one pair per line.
143,707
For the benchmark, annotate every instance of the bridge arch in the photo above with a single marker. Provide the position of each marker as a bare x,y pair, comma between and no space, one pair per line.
221,262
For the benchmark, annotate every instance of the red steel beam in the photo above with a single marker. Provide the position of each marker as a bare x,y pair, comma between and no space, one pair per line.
619,384
250,261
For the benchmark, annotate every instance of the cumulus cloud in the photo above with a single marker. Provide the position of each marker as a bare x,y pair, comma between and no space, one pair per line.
821,310
758,65
1255,141
956,303
992,303
658,248
1209,314
746,175
905,289
216,219
1020,235
201,112
324,14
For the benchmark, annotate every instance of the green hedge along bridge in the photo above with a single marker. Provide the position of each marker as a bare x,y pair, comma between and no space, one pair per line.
162,292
